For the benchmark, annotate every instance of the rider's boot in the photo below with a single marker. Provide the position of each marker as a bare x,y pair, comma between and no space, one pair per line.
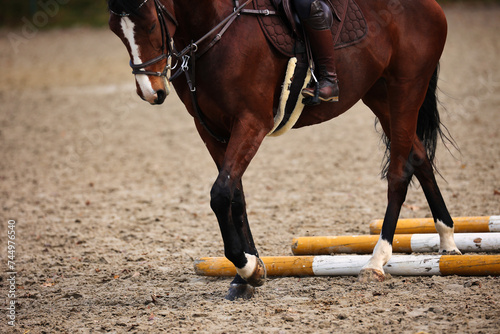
320,37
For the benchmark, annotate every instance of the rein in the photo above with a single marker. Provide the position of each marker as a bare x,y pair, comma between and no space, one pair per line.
189,56
225,23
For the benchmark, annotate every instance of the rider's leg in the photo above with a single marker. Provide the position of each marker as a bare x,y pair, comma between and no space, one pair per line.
317,28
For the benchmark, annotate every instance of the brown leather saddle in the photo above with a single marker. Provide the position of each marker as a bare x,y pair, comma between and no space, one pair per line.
283,30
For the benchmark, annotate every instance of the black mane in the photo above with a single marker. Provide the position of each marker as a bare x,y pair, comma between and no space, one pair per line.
124,7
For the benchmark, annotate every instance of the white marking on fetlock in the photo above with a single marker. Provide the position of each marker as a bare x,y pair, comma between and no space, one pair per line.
446,240
128,31
381,255
249,268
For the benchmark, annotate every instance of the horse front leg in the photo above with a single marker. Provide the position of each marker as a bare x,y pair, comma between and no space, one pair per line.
239,287
228,203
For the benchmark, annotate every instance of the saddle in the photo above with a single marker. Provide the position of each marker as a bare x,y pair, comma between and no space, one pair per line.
283,31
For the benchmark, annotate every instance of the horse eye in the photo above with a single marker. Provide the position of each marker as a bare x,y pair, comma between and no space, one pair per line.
152,28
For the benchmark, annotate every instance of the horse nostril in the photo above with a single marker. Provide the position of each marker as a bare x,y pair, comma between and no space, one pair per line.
161,95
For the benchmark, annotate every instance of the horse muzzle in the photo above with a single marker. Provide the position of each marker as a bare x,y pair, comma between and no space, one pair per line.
150,90
157,98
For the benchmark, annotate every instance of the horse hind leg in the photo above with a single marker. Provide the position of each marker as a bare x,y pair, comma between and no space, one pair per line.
398,177
397,111
424,172
420,162
423,152
417,163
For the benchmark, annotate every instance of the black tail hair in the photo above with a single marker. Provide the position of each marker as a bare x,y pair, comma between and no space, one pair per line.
428,125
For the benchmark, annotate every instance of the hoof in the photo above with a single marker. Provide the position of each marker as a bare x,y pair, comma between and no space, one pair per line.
258,277
240,291
450,252
371,275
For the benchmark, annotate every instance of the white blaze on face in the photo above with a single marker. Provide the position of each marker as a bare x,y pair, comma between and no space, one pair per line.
143,80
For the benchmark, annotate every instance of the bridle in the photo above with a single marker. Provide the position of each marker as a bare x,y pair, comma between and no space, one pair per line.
168,49
166,41
190,53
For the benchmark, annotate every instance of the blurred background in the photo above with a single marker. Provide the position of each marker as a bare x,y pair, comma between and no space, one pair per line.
60,13
112,195
71,13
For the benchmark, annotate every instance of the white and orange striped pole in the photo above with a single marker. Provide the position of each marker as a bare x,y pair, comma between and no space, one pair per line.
426,225
402,243
350,265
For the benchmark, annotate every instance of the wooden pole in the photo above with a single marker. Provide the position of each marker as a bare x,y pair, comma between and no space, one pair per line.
426,225
276,266
402,243
350,265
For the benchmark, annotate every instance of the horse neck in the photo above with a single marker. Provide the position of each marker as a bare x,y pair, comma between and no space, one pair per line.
196,18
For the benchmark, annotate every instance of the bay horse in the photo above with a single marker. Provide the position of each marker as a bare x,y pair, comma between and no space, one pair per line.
232,87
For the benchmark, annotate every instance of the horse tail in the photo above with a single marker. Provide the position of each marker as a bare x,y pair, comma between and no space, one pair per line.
429,123
429,126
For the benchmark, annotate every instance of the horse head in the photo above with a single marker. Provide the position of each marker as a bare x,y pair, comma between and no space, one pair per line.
146,28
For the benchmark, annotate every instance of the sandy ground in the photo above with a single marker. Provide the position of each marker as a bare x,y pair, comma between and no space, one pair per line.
111,200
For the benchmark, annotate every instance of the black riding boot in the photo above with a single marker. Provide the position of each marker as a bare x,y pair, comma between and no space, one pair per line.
320,37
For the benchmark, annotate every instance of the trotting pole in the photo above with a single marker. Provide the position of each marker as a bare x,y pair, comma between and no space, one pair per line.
349,265
426,225
402,243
